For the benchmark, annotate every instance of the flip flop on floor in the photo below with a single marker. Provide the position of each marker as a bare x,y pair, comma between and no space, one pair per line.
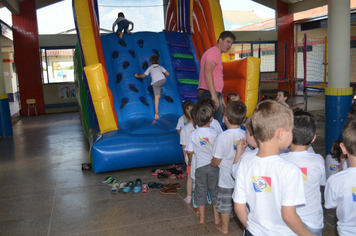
107,180
121,186
128,187
114,181
137,186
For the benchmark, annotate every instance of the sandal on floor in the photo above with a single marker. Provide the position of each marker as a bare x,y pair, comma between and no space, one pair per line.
115,188
107,180
137,186
128,187
162,176
153,185
173,177
144,188
114,181
121,186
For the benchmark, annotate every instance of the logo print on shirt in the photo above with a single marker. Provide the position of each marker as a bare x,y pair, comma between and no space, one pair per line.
262,184
334,167
305,173
234,143
155,66
353,194
204,141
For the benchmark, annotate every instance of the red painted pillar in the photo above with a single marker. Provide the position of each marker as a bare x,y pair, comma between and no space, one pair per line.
285,28
27,56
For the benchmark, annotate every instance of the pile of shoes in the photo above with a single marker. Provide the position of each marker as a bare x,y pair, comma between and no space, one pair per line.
173,172
125,187
171,188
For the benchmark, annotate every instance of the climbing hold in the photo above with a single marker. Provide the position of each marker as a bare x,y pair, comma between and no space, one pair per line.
115,54
143,100
155,51
133,88
140,43
125,64
119,77
169,99
123,102
122,43
132,53
145,65
150,89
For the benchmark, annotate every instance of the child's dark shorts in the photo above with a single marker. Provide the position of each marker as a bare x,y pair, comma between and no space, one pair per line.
224,203
157,86
122,25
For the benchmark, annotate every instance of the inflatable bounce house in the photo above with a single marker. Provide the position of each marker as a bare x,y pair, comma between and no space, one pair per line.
117,109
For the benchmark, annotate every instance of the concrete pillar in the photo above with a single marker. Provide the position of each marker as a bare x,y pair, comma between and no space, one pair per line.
338,95
5,115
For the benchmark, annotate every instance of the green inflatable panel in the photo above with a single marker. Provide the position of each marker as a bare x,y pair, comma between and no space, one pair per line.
181,55
188,81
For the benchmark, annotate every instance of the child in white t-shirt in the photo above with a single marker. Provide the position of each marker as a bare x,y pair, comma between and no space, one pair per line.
223,156
282,97
158,75
182,121
200,143
271,186
312,166
214,123
186,130
332,161
340,189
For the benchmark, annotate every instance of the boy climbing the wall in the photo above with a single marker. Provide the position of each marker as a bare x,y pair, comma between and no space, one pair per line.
158,75
122,25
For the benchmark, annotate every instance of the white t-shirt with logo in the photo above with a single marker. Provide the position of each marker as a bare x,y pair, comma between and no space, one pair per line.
216,125
312,167
157,73
201,141
225,149
340,192
246,155
332,166
266,184
181,123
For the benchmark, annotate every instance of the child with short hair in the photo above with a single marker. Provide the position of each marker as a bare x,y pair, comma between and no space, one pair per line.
200,143
332,161
232,97
223,156
158,75
282,97
214,123
186,130
182,121
340,189
122,25
312,166
271,186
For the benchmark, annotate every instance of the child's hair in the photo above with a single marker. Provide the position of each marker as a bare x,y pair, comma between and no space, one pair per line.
285,94
267,97
187,109
304,128
353,108
337,150
268,117
121,14
349,136
206,101
235,112
232,96
202,114
154,59
248,126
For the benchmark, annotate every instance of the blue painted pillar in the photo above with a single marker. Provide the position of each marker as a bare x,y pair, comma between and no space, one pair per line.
5,115
338,95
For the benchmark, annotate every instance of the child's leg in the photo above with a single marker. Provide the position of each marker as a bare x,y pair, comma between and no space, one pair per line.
157,97
213,179
193,196
216,216
224,227
202,214
189,189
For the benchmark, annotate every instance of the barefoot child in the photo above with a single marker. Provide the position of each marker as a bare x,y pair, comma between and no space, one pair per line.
340,190
158,75
200,143
271,186
122,25
223,156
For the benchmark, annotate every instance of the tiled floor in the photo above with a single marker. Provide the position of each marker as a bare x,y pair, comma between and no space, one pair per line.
44,191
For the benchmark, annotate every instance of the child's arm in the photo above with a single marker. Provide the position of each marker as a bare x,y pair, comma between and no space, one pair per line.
241,213
140,76
166,73
190,157
113,28
132,26
240,148
184,152
215,162
290,217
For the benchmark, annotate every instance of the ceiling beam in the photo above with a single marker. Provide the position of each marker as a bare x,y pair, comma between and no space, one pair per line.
11,5
268,3
305,5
